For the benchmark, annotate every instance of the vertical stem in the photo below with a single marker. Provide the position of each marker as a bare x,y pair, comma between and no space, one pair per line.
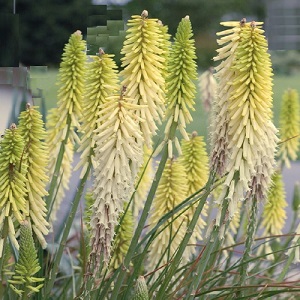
53,184
248,245
211,246
62,243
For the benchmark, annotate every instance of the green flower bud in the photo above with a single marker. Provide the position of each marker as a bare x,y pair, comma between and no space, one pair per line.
140,290
23,280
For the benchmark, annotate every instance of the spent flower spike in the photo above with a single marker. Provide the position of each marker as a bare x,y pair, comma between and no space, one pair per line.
119,154
144,65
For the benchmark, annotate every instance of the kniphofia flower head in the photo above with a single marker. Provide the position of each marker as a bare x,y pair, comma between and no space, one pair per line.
118,153
171,191
181,89
195,161
101,81
36,158
13,205
289,126
245,93
274,214
144,64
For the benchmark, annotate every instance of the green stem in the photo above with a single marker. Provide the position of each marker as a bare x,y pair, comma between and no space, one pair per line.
3,235
211,246
144,215
177,259
53,184
66,231
286,267
248,245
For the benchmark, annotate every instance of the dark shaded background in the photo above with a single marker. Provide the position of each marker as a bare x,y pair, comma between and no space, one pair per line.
37,33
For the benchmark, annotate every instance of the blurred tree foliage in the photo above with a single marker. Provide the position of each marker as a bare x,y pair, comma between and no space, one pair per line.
45,26
205,16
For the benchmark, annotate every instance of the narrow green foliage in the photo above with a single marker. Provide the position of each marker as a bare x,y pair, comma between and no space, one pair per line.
296,197
36,157
23,280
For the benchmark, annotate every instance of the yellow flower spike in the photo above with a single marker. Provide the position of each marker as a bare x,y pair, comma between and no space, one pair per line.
144,65
181,89
71,84
208,88
102,81
171,191
245,96
122,239
274,214
23,280
195,161
66,166
119,154
289,126
33,132
144,178
220,118
64,119
12,184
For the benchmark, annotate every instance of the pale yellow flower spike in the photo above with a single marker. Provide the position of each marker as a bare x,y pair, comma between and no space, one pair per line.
144,65
33,132
289,126
195,161
171,191
274,214
119,154
102,81
245,95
